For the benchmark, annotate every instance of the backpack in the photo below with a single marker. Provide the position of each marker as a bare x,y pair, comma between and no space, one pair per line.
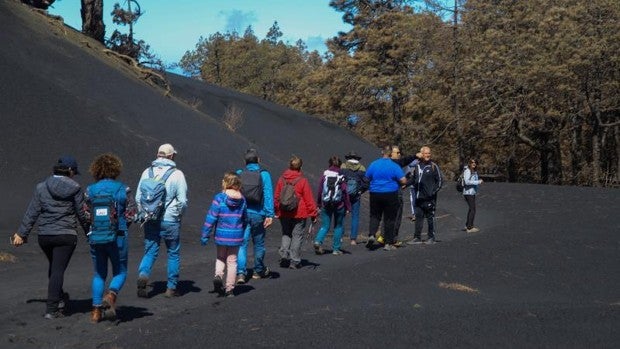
153,196
460,183
288,200
332,192
354,188
252,187
103,212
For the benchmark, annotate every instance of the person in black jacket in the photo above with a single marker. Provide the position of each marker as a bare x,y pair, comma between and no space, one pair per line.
56,204
427,180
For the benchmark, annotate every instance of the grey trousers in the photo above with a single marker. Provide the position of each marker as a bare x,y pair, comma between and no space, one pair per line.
292,238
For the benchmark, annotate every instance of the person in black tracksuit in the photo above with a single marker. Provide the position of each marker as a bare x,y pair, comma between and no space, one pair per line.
56,204
427,180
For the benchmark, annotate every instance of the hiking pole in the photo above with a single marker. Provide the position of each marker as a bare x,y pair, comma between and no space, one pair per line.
310,228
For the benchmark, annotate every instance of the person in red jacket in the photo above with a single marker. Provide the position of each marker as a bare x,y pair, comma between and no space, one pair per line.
293,222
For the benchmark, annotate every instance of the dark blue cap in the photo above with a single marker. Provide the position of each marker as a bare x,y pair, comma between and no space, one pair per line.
68,162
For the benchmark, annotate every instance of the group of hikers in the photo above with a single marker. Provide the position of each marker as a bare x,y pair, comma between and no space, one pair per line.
239,214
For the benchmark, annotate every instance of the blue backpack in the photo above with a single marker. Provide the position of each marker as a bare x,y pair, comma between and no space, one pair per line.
153,196
103,206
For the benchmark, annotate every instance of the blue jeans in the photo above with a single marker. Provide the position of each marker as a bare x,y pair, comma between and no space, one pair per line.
256,231
355,218
153,233
116,253
326,216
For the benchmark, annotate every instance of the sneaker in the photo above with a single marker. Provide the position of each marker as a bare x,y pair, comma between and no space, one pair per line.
389,247
284,263
353,242
171,293
295,265
265,274
430,241
380,239
318,249
218,285
230,294
63,301
472,230
415,241
370,242
412,218
240,279
337,253
142,282
96,315
398,244
54,315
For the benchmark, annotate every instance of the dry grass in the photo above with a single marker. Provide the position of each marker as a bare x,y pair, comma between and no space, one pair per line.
233,117
458,287
7,257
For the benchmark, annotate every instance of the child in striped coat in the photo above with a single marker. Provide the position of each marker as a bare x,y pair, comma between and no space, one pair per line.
226,218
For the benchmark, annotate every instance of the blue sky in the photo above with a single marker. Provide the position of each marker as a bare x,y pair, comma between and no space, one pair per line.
172,27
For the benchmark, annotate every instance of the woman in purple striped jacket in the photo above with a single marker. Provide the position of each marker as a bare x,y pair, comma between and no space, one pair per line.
227,217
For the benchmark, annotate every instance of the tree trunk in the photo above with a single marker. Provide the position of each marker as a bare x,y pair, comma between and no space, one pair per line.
92,19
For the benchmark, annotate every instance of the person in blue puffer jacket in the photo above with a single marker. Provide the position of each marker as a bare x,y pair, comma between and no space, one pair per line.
227,220
470,190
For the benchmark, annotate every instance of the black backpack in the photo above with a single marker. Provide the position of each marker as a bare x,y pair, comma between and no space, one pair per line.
460,183
252,186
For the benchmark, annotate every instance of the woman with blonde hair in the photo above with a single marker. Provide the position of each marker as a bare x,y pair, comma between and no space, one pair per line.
227,220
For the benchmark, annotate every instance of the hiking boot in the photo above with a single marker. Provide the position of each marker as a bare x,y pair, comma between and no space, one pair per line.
389,247
415,241
142,282
240,279
171,293
430,241
109,304
96,315
318,249
284,263
337,253
472,230
294,265
230,294
218,285
353,242
380,240
370,242
265,274
398,244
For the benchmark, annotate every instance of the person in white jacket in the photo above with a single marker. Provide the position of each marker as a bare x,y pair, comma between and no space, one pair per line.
470,190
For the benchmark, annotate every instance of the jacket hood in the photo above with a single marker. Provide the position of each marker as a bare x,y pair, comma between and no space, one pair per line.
62,187
290,175
353,166
233,198
161,162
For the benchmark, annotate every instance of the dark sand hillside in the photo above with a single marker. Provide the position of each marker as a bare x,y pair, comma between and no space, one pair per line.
544,271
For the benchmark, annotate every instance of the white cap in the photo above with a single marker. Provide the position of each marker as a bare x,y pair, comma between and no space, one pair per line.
166,150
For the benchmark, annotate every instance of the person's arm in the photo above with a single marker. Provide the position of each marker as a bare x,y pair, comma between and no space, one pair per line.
268,207
79,205
181,191
308,199
30,217
210,221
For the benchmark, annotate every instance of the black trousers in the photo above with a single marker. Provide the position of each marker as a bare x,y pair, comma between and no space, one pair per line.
471,213
386,206
421,212
58,249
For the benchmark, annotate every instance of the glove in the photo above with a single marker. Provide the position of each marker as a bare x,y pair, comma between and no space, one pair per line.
204,240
